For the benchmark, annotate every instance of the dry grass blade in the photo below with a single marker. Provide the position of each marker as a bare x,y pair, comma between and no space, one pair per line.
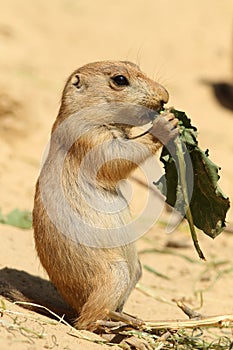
189,312
221,321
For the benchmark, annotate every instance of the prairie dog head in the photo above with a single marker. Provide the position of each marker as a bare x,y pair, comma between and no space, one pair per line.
110,82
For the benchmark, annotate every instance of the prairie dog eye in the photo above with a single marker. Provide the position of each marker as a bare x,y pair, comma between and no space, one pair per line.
75,80
120,80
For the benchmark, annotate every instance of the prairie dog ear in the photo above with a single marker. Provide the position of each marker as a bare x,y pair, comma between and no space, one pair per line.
76,81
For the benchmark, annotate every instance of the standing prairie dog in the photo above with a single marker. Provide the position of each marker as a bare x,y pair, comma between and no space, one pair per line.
95,279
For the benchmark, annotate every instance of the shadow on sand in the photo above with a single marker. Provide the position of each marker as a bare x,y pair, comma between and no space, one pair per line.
16,285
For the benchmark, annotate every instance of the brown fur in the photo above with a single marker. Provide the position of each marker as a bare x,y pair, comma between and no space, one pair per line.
95,280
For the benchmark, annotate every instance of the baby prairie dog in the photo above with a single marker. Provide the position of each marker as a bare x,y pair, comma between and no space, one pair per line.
79,224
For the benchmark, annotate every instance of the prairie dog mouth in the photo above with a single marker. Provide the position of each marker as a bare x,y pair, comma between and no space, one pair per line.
146,123
134,116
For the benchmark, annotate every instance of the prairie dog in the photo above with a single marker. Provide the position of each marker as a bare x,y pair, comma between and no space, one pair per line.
93,278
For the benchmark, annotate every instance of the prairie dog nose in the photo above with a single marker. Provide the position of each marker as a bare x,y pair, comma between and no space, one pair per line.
163,95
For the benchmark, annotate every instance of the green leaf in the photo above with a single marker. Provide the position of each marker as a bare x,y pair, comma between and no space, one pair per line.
208,204
17,218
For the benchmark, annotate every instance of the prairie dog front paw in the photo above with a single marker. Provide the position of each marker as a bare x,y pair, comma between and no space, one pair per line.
165,127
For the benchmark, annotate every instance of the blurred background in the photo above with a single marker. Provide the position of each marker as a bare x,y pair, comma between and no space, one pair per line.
184,45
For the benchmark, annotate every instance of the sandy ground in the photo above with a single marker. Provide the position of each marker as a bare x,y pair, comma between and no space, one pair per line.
181,44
